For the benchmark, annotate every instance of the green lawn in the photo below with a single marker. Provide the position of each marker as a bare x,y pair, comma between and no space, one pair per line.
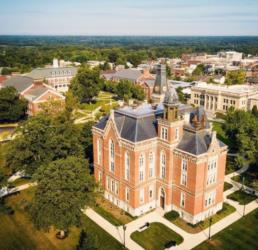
240,235
4,171
155,237
17,231
242,197
193,229
227,186
112,213
251,177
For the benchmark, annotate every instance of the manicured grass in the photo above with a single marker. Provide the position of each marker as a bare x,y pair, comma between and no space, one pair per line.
3,169
242,197
17,231
250,177
240,235
193,229
227,186
112,213
155,236
20,181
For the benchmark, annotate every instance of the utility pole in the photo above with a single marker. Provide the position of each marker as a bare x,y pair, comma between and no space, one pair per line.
210,222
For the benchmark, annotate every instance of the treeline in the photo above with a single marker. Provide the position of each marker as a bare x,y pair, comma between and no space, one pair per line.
24,53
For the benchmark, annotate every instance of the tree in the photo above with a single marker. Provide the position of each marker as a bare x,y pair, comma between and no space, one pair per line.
12,108
87,241
6,71
255,111
138,92
86,84
235,77
64,188
199,71
42,139
86,140
123,89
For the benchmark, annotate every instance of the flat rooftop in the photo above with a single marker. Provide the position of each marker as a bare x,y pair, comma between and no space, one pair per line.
236,89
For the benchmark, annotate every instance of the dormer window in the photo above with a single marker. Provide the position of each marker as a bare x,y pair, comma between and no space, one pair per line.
164,133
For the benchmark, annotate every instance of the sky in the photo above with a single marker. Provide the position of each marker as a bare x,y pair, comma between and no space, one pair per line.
129,17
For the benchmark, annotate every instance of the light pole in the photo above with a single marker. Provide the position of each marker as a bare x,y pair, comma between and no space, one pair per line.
210,222
124,228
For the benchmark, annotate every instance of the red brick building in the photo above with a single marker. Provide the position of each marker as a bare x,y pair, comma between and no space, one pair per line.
34,91
160,156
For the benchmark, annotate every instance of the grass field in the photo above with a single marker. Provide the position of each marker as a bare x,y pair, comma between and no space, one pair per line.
227,186
240,235
155,237
112,213
250,177
242,197
4,171
18,233
193,229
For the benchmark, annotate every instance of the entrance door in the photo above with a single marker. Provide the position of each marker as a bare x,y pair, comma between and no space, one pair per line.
162,199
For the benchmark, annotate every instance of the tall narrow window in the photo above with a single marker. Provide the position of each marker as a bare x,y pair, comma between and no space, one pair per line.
127,166
162,164
111,156
210,198
151,165
99,151
164,133
142,195
141,167
184,172
182,199
176,133
127,194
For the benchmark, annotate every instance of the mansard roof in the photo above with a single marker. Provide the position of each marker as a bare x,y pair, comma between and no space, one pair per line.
196,142
140,124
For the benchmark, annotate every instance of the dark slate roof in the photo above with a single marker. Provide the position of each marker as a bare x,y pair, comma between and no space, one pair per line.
134,125
19,82
195,143
102,123
136,129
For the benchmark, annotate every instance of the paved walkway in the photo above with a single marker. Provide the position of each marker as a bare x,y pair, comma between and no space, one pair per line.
190,240
16,189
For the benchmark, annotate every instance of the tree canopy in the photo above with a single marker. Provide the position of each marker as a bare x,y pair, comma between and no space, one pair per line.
42,139
235,77
242,128
64,188
12,108
86,84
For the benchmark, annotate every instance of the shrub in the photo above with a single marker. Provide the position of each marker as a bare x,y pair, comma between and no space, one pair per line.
172,215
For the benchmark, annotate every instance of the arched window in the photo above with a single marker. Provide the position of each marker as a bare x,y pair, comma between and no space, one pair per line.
127,166
99,151
162,164
151,165
141,167
111,156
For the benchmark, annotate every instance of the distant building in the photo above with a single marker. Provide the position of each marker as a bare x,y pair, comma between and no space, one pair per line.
34,91
219,79
163,156
57,77
219,98
160,85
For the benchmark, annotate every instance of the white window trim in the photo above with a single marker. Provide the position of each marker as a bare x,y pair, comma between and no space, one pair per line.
182,199
164,133
151,165
141,195
111,155
141,167
162,165
184,166
127,166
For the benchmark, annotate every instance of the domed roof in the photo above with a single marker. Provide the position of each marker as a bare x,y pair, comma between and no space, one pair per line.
171,96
